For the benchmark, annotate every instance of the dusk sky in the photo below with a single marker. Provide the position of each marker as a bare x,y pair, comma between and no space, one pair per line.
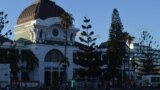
136,15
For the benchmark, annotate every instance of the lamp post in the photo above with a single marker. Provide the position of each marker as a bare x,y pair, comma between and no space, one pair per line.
131,46
130,60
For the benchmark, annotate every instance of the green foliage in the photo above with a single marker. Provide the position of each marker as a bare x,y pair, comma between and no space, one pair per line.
88,58
10,56
3,22
31,62
91,72
148,48
66,20
30,59
116,29
86,35
116,44
64,61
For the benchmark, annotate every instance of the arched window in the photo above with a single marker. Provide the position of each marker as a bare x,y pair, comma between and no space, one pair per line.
54,56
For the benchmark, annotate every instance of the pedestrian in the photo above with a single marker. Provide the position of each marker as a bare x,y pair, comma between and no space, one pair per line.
73,84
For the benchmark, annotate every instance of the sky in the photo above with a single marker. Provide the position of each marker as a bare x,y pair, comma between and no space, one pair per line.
136,15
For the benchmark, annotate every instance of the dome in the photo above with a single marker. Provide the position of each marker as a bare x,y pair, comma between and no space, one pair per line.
42,9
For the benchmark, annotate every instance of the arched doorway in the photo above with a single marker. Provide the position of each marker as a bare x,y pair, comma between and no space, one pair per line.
53,74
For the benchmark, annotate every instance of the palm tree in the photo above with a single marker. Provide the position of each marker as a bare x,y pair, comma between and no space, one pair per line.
31,61
126,37
66,22
10,56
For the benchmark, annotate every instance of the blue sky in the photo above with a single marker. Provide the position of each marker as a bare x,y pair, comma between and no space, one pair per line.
136,15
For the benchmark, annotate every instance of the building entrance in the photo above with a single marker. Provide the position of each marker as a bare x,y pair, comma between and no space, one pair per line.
53,74
53,77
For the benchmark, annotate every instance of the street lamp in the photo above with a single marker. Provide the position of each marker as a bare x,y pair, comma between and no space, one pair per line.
131,46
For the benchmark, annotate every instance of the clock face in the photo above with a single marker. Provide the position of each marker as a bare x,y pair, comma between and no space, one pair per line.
55,32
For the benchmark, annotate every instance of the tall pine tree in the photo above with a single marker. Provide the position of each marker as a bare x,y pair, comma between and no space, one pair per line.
116,46
88,58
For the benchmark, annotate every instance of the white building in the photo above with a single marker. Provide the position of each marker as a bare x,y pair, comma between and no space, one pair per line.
38,29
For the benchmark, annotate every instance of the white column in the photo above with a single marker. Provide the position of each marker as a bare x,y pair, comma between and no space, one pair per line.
70,68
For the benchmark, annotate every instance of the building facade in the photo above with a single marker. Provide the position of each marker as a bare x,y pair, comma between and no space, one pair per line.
38,29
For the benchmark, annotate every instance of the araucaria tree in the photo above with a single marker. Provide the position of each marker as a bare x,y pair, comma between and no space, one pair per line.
3,22
116,46
88,58
86,34
149,55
